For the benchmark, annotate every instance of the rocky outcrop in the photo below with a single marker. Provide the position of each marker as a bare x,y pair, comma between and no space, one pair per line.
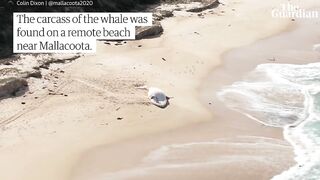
149,31
14,74
33,73
46,63
210,5
9,86
159,15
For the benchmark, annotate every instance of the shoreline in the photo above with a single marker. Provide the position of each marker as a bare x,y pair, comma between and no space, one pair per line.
99,151
309,56
273,133
221,64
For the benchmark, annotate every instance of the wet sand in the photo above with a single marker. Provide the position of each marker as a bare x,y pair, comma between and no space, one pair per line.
230,146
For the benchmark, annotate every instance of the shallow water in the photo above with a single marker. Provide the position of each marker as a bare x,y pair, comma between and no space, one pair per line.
288,96
198,152
203,159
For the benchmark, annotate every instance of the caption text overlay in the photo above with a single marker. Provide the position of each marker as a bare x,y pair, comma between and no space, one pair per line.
72,32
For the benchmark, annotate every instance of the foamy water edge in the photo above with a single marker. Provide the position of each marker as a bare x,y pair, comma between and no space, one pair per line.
304,162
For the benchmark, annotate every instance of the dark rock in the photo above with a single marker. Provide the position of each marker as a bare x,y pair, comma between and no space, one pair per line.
36,68
149,31
213,4
166,13
34,74
11,85
159,15
44,66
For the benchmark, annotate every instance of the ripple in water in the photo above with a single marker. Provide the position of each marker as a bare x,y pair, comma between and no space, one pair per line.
288,96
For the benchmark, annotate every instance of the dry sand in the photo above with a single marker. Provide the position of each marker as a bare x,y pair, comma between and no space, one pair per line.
79,136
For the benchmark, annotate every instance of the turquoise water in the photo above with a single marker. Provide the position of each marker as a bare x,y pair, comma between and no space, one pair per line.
288,96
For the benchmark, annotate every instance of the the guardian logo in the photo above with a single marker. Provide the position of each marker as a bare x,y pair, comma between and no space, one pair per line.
294,11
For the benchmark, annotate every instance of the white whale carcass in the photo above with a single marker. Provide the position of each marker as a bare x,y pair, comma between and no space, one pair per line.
158,97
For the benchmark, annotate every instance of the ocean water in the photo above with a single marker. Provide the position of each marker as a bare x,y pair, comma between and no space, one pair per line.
288,96
203,159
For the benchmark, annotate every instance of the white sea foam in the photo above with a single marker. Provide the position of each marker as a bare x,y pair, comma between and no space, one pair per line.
284,95
316,47
198,156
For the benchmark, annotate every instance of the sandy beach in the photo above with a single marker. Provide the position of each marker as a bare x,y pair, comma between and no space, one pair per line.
105,127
